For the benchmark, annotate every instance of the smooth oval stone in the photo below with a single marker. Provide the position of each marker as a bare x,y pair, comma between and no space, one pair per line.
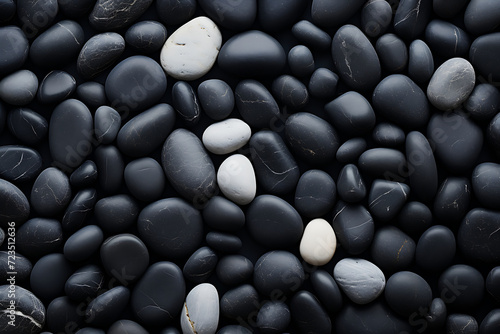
411,18
407,292
376,16
461,323
99,53
145,132
484,102
117,213
256,105
19,163
36,15
420,62
85,175
309,34
216,98
173,12
301,61
451,84
76,10
63,313
277,16
14,47
392,52
188,167
359,279
383,162
323,83
240,302
486,184
273,222
78,209
186,103
446,9
326,290
456,139
273,317
157,298
452,199
333,13
355,58
386,198
70,134
252,53
53,268
200,265
318,243
145,179
39,236
234,269
146,36
275,168
236,179
82,244
315,194
51,192
290,91
414,218
125,257
446,39
435,248
115,15
92,94
110,168
353,226
107,122
319,147
126,326
23,267
29,310
392,250
226,136
58,45
107,307
481,17
461,287
436,316
135,84
491,322
171,227
84,283
422,166
350,184
56,87
482,56
19,88
388,135
397,87
223,242
233,15
271,269
353,319
200,314
222,214
233,329
190,52
27,125
14,205
350,150
351,113
477,236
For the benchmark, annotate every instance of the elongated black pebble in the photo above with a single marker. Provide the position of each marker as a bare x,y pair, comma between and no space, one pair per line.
110,168
388,135
234,269
186,103
107,307
223,242
200,265
308,313
85,175
420,61
411,18
310,35
453,199
383,162
392,52
327,290
115,15
422,166
350,184
27,125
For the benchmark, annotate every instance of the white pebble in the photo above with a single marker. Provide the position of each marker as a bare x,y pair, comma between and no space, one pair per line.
226,136
318,242
236,179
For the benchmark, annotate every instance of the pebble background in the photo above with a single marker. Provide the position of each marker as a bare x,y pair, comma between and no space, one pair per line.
250,166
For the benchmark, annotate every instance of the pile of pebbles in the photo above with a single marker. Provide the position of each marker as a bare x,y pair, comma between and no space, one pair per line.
249,166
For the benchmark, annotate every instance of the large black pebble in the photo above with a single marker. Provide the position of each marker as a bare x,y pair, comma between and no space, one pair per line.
392,250
38,237
173,12
78,209
326,290
279,15
351,113
14,205
51,192
407,292
446,40
273,317
99,53
240,303
350,184
308,314
53,268
56,87
185,102
436,248
411,18
452,199
315,194
461,287
216,98
110,168
392,52
83,243
222,214
145,179
31,316
27,125
63,314
386,198
146,36
117,213
200,265
256,105
19,163
233,270
36,16
229,14
107,307
353,226
115,15
85,283
481,17
14,49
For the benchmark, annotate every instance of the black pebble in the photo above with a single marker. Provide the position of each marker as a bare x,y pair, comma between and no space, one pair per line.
90,330
484,102
407,292
27,125
31,316
482,56
53,268
19,163
310,35
200,265
461,324
486,185
315,194
446,39
490,323
351,113
376,16
145,179
256,105
38,237
222,214
350,150
13,204
85,175
56,87
78,209
481,16
420,62
350,184
51,192
392,250
23,267
107,307
388,135
383,162
185,102
422,167
446,9
240,303
14,48
117,213
8,10
277,16
223,242
173,12
92,94
76,10
116,15
146,36
110,168
323,83
327,290
461,287
386,198
83,243
99,53
411,18
353,226
63,314
436,315
493,282
216,98
301,61
290,91
107,122
309,315
31,12
452,199
85,283
392,52
229,14
334,13
233,270
126,326
436,248
273,317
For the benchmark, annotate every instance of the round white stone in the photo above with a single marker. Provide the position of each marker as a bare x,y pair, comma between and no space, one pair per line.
361,280
318,242
190,52
226,136
236,179
200,313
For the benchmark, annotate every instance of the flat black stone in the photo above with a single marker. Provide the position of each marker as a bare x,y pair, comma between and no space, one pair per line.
301,61
308,314
117,213
39,236
256,105
107,122
14,49
229,14
407,292
446,39
63,313
414,218
14,205
273,317
278,16
411,18
392,52
115,15
351,113
53,268
23,267
353,226
146,36
51,192
453,199
83,243
107,307
388,135
31,316
484,102
481,17
310,35
376,17
173,12
216,98
85,283
36,16
85,175
99,53
240,302
222,214
185,102
223,242
383,162
461,288
145,179
273,222
290,91
92,94
315,194
482,56
56,87
350,185
422,167
392,250
78,210
350,150
436,248
420,62
233,270
326,290
19,163
386,198
200,265
158,297
126,326
110,168
171,227
335,12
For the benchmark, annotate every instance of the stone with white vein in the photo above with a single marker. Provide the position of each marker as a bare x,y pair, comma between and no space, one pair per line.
226,136
318,242
236,179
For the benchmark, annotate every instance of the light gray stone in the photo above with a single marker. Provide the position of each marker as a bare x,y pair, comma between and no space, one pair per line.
236,179
226,136
200,314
